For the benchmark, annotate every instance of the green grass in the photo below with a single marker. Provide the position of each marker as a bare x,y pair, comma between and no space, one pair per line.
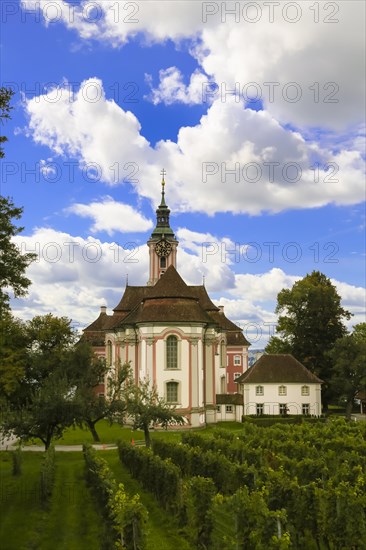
21,512
72,520
69,522
163,531
112,433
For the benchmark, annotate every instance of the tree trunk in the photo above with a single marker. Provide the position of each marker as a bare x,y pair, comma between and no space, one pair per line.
349,407
147,437
91,426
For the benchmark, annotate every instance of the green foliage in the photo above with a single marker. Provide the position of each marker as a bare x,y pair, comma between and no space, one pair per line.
88,371
13,264
310,322
40,401
125,517
146,407
47,476
160,477
349,371
5,97
198,493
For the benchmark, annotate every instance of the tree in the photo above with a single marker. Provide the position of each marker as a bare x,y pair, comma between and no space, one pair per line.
309,324
349,372
146,407
40,400
5,97
13,264
89,371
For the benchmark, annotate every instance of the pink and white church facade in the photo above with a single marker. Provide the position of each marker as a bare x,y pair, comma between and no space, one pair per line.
174,335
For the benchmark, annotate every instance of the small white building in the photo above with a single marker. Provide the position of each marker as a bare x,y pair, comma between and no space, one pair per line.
279,384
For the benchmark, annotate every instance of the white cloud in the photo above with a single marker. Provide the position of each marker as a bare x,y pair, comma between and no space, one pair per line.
172,89
317,46
234,160
74,276
111,216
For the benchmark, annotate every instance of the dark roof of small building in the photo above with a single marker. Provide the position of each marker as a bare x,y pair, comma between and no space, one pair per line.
229,399
278,368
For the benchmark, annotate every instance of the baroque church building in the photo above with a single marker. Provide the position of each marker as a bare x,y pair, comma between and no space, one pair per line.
174,335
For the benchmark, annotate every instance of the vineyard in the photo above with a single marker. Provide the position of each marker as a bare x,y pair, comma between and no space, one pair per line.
290,486
285,486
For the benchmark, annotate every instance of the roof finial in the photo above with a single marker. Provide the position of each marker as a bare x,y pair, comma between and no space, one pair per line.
163,173
126,279
203,280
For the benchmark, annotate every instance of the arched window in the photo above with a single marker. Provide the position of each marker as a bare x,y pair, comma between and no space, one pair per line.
223,384
222,354
163,262
172,352
109,353
172,392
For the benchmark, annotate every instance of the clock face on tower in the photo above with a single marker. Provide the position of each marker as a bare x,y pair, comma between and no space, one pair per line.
163,248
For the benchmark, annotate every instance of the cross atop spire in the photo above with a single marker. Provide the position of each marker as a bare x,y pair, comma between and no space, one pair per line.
163,174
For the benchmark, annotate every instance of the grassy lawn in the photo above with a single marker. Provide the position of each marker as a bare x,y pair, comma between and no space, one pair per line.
72,519
112,433
163,531
22,516
70,522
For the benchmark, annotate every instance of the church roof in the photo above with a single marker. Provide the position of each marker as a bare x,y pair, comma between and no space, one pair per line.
278,368
131,297
169,310
170,285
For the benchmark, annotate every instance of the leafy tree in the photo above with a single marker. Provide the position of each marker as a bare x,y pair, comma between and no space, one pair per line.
349,372
5,97
13,264
310,322
88,371
145,407
12,357
40,400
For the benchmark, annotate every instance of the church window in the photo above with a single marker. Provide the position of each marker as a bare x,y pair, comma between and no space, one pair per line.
172,352
172,392
223,384
163,262
305,390
222,354
237,360
109,353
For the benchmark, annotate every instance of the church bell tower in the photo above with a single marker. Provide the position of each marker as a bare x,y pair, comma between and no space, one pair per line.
162,243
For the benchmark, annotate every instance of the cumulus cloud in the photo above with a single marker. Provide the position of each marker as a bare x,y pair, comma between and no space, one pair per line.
111,216
295,56
172,88
233,160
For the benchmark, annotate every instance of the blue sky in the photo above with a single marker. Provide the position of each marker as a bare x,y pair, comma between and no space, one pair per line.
257,116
